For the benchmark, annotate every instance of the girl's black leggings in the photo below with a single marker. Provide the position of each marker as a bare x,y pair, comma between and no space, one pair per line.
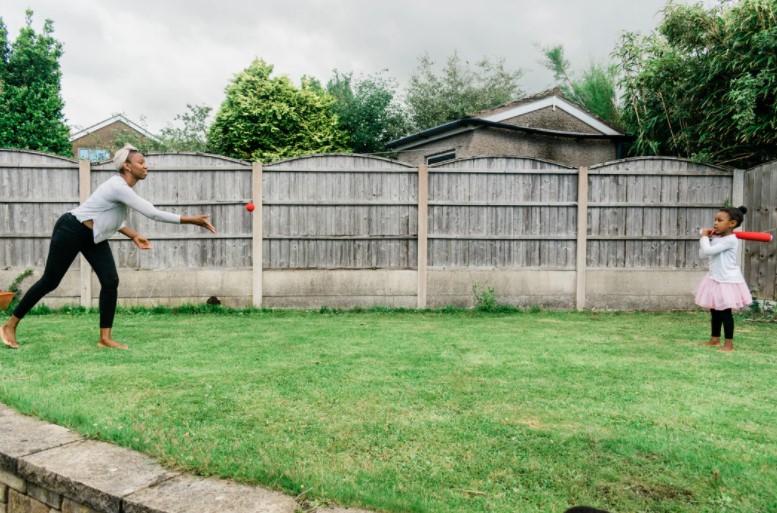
722,318
71,237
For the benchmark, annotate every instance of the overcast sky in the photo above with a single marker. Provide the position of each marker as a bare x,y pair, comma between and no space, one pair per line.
148,59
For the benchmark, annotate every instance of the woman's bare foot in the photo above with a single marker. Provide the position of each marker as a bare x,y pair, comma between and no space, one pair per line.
714,341
111,343
8,335
107,341
728,346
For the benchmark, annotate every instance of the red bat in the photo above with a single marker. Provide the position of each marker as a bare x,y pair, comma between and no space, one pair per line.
754,236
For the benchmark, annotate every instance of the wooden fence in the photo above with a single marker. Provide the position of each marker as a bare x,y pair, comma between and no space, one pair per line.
761,200
646,213
189,184
340,212
330,213
502,213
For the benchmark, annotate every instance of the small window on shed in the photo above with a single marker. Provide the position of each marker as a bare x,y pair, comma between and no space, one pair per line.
441,157
93,154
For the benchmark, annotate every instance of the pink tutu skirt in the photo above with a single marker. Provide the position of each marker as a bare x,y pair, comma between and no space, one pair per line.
722,296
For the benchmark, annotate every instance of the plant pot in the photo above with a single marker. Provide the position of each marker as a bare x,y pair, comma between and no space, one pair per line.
5,299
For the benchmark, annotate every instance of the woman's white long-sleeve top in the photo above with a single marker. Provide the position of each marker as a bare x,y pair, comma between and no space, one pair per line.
109,205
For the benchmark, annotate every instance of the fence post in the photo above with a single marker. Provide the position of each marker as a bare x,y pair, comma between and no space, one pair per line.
738,199
84,191
423,215
256,219
582,233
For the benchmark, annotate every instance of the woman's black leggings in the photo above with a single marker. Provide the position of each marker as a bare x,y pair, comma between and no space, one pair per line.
723,318
71,237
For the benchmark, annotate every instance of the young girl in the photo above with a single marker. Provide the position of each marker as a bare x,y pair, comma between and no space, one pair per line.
86,230
724,287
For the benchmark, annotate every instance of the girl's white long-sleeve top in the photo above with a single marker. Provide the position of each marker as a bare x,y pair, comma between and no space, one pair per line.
109,205
722,252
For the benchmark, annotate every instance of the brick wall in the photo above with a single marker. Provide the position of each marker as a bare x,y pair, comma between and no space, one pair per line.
105,138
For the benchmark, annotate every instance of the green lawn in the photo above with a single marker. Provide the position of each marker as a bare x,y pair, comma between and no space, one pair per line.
439,412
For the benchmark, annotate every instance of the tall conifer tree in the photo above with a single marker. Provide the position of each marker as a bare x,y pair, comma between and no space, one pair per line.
31,105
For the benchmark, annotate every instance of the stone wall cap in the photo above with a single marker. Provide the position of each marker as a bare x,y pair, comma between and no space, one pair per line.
94,473
190,494
21,436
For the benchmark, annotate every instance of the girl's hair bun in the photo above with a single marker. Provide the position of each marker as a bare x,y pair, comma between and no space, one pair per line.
743,209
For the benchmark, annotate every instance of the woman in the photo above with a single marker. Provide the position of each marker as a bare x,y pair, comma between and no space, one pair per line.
86,230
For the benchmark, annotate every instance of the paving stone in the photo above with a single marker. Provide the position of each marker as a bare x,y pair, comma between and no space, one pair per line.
2,507
3,493
11,480
18,503
190,494
93,473
21,435
45,496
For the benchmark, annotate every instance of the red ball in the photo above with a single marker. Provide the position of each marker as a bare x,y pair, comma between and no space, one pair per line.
250,207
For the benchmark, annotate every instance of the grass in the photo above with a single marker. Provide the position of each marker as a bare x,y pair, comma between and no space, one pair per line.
446,411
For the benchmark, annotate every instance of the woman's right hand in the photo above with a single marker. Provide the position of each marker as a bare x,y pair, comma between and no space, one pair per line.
199,220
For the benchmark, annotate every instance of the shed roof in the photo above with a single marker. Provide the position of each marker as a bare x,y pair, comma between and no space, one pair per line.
493,118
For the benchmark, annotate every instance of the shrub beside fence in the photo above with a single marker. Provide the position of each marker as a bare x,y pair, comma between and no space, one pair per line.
351,230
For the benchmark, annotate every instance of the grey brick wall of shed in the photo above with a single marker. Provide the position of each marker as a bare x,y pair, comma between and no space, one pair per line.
490,141
552,119
462,143
571,152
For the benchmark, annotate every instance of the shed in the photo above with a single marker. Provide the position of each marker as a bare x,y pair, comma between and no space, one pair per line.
545,126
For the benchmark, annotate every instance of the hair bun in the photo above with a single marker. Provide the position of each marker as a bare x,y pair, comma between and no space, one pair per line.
743,209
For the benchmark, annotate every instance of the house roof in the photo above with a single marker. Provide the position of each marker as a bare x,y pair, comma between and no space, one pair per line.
493,118
102,124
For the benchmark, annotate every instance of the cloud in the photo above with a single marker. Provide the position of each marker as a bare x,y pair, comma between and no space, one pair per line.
148,59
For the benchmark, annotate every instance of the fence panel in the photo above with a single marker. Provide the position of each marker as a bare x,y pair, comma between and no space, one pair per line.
760,258
502,212
188,184
340,212
35,190
646,212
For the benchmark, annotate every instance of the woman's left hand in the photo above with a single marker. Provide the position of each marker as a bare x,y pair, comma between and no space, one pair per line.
199,220
141,242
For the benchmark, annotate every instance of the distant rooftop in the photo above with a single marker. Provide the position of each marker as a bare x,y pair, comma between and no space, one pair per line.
109,121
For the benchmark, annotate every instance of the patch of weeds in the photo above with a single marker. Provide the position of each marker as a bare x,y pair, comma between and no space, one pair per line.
484,297
328,310
42,309
761,310
15,287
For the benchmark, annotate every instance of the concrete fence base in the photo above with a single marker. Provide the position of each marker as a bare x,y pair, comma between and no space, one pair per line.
605,289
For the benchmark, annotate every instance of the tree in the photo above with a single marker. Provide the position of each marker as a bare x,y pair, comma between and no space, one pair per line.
268,118
596,90
367,111
704,85
192,136
31,105
459,91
